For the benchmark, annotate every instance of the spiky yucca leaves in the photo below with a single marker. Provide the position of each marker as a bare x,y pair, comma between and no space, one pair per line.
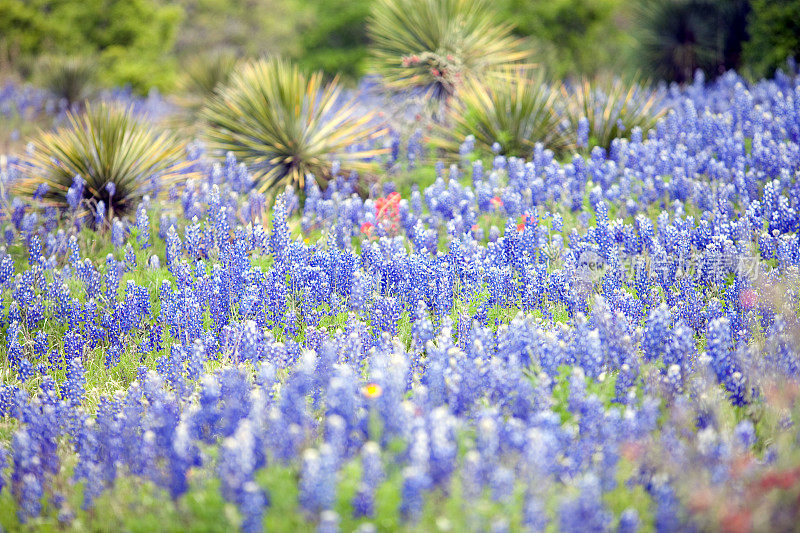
68,78
286,125
205,73
104,144
512,107
612,107
438,43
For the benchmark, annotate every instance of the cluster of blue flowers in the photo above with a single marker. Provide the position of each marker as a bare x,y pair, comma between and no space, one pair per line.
549,343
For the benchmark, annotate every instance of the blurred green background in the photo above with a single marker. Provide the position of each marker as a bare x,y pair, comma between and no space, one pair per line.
145,43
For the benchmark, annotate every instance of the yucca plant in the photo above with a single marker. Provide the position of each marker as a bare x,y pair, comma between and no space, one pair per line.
68,78
205,73
438,43
609,108
513,108
104,144
286,125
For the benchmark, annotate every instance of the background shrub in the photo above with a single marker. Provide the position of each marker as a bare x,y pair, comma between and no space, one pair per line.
69,79
129,39
205,73
561,31
774,27
676,37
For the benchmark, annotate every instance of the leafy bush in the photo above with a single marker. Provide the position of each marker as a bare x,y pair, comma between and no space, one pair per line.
611,108
333,37
774,28
285,124
514,108
128,38
561,29
250,28
680,36
103,145
438,43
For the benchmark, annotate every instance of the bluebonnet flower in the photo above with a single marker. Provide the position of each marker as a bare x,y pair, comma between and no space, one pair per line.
415,483
585,511
629,521
317,481
142,226
117,232
100,213
583,133
75,192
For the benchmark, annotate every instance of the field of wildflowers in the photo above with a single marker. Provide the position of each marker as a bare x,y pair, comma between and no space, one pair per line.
603,341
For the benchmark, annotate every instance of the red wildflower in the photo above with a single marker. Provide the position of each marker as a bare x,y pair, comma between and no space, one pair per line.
496,201
367,228
740,521
780,480
388,210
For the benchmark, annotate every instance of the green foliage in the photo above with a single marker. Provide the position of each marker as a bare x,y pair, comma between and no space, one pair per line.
105,144
438,43
333,38
286,125
613,107
774,27
127,38
572,36
514,108
246,27
679,36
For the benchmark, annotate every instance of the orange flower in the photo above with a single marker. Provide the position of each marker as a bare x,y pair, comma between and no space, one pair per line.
496,201
367,228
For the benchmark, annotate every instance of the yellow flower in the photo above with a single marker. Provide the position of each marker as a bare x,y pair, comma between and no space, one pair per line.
372,390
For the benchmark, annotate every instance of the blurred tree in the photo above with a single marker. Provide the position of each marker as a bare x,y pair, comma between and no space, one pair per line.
333,38
774,27
677,37
247,27
571,36
130,39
